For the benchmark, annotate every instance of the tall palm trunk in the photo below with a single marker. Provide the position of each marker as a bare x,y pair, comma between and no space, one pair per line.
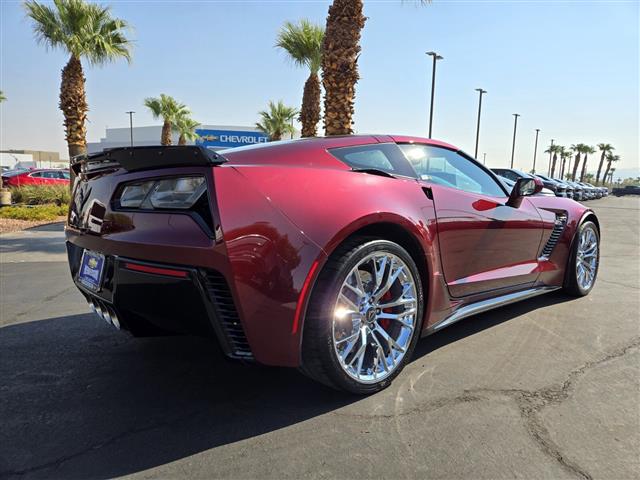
165,138
584,167
182,140
564,162
553,164
73,103
600,166
576,163
310,111
341,49
606,172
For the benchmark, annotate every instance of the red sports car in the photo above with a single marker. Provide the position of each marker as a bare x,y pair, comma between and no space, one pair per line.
49,176
333,255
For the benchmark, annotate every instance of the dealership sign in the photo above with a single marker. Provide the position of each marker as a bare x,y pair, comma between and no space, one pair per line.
229,138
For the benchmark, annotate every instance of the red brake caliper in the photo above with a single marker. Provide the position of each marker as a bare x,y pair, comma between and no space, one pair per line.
385,322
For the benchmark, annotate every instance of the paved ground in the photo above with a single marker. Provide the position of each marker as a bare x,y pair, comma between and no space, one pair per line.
549,388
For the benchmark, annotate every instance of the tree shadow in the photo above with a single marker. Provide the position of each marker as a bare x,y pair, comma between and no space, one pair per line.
79,400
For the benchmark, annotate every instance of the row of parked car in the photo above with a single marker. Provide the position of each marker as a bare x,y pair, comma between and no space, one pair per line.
35,176
580,191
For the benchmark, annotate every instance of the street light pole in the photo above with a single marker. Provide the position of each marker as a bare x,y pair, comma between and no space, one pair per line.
131,125
436,57
535,151
550,155
484,158
513,147
481,91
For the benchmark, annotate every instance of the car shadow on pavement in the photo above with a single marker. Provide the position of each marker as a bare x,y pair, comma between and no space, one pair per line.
79,400
484,321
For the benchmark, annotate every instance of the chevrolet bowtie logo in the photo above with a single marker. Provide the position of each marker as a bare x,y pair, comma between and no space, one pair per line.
209,138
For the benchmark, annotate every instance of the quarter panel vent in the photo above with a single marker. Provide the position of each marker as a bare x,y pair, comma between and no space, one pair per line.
222,300
558,228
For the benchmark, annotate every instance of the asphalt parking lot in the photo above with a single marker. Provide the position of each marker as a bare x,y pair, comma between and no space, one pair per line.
548,388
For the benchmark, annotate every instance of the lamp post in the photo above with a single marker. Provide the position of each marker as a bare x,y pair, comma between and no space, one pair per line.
436,57
130,113
481,92
484,158
515,126
550,156
535,151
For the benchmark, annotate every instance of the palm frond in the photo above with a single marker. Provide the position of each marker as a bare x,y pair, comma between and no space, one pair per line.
277,120
303,43
85,30
166,107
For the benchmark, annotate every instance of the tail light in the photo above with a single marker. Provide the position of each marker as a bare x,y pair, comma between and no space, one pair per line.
179,193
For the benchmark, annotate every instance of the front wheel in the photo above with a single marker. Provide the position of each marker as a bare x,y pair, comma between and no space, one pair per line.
582,268
364,316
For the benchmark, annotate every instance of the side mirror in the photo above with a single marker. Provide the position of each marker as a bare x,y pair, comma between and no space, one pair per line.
524,187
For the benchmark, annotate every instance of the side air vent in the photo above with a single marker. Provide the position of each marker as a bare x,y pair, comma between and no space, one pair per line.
558,228
220,296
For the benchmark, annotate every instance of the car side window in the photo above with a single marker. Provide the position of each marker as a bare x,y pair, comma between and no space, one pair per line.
378,156
446,167
64,175
36,175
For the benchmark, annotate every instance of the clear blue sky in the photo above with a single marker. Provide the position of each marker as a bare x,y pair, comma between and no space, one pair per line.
569,68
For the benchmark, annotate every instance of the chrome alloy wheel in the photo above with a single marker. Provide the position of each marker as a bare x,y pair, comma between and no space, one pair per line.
587,258
375,317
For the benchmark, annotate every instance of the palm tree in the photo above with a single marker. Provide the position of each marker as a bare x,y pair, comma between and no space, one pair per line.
606,149
611,158
340,52
2,97
84,31
277,121
564,153
303,44
577,149
588,150
170,110
553,149
186,128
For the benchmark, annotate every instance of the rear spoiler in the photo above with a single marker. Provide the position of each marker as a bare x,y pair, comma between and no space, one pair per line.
134,159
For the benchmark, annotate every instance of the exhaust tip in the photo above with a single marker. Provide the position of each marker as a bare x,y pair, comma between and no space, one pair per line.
105,312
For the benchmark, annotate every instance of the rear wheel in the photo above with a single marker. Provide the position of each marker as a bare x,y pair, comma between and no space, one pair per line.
584,260
364,316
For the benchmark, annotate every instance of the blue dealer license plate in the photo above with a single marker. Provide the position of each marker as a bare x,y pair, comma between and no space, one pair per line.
91,267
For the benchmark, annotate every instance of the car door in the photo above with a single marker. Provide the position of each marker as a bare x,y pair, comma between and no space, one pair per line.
484,243
36,178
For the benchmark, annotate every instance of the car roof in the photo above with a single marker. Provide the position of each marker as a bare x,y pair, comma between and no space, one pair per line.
293,151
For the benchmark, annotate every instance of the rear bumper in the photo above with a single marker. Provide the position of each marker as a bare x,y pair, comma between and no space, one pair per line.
149,298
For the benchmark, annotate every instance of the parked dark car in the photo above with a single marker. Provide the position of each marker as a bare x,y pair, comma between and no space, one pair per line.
627,190
336,265
514,174
510,184
559,188
578,191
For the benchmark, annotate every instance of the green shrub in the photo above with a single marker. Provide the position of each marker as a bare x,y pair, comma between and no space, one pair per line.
41,194
38,212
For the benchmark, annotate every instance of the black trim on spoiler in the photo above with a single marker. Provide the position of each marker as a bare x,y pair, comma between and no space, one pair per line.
134,159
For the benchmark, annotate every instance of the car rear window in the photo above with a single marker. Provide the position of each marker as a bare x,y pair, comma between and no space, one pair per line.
386,157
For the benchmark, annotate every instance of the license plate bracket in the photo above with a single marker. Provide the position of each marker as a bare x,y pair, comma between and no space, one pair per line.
91,270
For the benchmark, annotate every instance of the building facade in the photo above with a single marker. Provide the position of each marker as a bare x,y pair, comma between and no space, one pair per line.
215,137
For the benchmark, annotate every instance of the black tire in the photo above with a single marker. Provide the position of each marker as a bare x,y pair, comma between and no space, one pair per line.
319,359
571,284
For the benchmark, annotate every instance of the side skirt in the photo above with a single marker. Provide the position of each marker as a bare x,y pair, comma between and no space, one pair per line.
489,304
